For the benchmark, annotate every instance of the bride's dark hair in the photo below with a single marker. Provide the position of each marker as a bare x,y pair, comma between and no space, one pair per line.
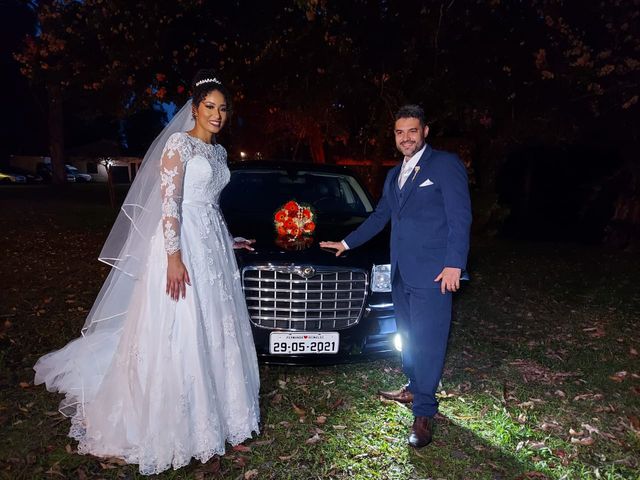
204,82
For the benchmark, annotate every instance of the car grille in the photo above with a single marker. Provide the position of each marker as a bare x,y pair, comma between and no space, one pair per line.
282,298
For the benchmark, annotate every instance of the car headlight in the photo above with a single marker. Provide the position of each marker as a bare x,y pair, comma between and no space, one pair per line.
381,278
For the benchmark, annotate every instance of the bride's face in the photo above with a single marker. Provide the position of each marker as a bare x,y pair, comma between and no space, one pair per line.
211,113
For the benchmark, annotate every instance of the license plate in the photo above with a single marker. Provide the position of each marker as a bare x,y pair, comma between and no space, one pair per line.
285,343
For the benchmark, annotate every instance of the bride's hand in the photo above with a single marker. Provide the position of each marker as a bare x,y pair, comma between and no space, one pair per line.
177,277
240,242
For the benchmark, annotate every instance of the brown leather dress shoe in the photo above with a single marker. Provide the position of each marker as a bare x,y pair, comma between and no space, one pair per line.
421,432
403,395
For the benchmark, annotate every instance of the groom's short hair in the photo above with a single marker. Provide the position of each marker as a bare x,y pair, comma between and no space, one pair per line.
412,111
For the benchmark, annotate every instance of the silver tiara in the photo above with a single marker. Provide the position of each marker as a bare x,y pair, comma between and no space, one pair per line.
208,80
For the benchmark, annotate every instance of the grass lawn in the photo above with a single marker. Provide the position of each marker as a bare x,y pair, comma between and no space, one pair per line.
542,377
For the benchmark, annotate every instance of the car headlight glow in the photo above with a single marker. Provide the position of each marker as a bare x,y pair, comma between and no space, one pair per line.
397,342
381,278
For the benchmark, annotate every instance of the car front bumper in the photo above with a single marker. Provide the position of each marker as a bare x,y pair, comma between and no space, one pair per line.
372,337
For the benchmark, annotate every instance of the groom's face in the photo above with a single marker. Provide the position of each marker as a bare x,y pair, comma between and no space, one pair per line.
410,135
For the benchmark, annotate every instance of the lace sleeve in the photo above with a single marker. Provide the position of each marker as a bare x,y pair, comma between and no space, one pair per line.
171,181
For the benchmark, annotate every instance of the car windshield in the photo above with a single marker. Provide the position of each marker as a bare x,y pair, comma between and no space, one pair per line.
261,192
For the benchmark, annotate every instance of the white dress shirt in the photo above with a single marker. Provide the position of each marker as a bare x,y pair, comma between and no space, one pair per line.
408,166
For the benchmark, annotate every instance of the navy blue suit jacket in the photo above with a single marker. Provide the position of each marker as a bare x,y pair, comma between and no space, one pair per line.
430,224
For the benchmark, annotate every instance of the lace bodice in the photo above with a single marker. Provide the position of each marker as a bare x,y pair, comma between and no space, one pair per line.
191,171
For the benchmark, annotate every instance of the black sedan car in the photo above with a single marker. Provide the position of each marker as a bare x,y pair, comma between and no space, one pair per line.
307,305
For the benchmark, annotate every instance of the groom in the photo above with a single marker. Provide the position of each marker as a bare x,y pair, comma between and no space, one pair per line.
427,200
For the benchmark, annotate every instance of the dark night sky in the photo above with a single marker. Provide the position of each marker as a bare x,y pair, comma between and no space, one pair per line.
569,187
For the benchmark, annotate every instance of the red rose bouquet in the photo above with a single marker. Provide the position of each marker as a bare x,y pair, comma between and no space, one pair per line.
293,220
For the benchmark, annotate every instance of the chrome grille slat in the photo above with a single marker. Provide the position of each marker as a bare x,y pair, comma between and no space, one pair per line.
301,300
281,298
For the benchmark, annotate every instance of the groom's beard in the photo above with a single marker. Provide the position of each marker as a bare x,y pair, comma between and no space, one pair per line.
409,149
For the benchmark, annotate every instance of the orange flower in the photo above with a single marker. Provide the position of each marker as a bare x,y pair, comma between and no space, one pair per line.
309,227
306,213
281,231
281,216
295,232
289,224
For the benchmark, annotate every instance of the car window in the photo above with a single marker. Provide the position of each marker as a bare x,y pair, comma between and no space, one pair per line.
262,192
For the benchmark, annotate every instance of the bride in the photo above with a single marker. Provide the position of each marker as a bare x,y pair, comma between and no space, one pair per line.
165,369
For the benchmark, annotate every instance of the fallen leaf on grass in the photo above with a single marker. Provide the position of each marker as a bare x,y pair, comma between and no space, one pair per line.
444,394
605,409
241,461
586,441
595,332
339,427
588,396
241,448
24,384
277,398
633,351
590,429
559,453
313,440
530,444
299,411
251,474
321,420
618,376
546,426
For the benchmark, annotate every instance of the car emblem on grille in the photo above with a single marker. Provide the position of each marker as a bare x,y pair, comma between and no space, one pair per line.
307,272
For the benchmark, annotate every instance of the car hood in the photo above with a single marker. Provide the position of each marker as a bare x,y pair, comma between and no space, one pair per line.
269,248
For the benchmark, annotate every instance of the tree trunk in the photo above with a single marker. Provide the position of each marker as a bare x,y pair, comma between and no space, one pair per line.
316,144
56,133
623,230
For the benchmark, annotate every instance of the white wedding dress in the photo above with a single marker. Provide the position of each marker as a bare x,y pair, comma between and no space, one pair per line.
180,378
